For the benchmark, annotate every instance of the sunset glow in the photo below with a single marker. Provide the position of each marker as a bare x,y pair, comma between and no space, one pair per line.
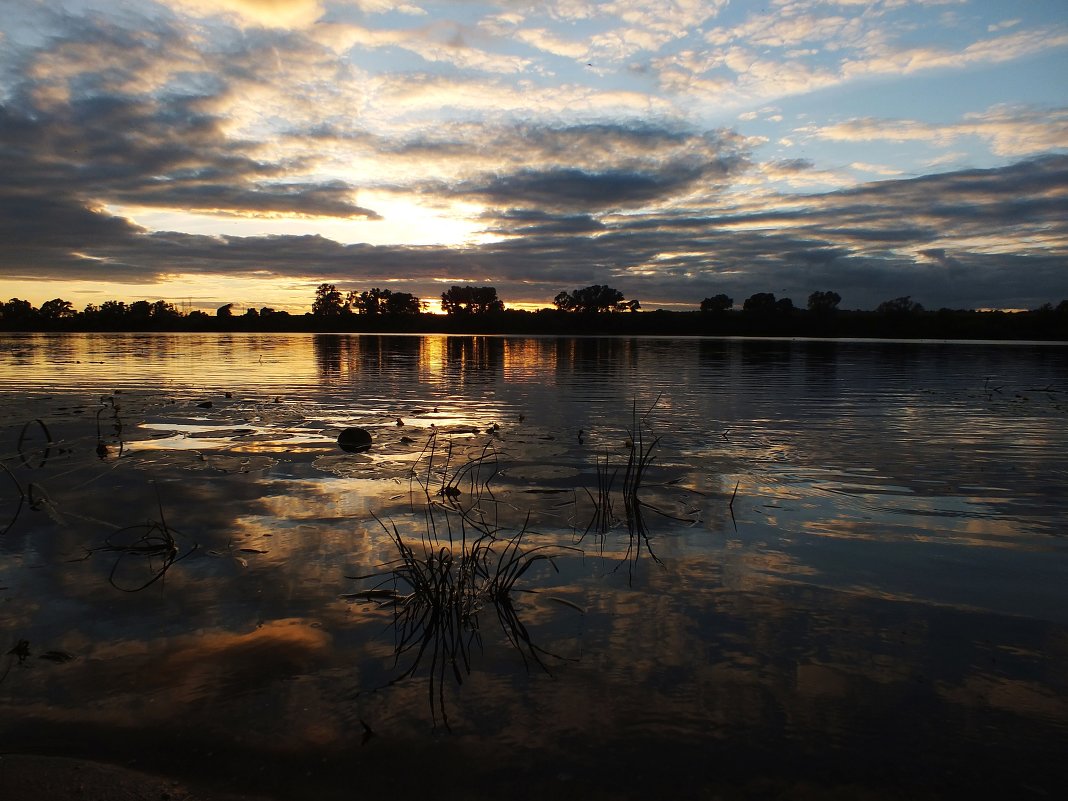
246,151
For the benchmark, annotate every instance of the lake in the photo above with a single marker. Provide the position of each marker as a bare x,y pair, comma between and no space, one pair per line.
588,567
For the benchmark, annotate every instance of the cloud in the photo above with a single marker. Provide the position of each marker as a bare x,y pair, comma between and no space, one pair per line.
1010,130
1005,24
806,45
121,151
868,243
622,28
877,169
266,13
588,180
995,50
580,167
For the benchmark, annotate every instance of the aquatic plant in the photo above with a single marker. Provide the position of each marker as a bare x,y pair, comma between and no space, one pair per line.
438,590
19,504
641,456
21,445
641,445
462,488
102,449
603,518
151,546
21,652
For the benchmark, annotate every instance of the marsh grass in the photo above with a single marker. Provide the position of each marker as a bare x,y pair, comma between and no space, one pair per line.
641,445
446,579
460,488
25,434
19,503
102,448
20,652
601,521
145,552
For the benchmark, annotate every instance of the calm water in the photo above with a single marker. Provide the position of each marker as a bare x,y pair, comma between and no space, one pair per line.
844,569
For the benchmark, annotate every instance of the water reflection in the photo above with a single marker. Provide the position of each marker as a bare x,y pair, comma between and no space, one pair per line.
881,605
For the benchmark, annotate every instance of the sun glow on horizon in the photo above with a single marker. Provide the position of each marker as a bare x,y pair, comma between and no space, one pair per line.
402,222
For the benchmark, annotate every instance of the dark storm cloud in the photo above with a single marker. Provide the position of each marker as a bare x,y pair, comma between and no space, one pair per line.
574,189
580,168
103,114
528,222
869,244
130,151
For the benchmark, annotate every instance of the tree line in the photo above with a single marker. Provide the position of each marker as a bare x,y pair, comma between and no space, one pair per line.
594,309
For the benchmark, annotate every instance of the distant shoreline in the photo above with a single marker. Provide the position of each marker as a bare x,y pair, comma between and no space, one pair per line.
1037,325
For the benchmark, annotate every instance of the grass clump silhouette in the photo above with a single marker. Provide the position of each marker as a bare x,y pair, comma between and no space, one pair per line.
641,445
445,579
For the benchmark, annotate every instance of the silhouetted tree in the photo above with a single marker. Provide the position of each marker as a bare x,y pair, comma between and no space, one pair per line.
593,299
824,302
139,312
371,301
385,301
328,301
471,300
18,313
717,304
760,303
251,313
113,312
899,307
225,311
399,303
162,311
57,309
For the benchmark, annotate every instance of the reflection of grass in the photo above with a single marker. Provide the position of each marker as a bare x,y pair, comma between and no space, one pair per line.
21,652
462,488
602,518
439,588
102,449
21,499
146,551
641,456
21,446
641,446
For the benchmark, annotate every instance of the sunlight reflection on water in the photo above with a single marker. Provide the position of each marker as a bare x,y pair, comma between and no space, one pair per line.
849,557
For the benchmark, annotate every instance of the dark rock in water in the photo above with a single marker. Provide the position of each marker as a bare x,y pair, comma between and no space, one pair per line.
354,440
205,404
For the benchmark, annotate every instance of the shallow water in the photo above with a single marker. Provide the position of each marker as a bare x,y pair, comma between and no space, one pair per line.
846,570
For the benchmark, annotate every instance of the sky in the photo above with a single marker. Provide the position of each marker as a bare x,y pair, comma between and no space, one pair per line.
245,151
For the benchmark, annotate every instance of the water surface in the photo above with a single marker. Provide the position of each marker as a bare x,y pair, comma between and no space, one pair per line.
844,570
